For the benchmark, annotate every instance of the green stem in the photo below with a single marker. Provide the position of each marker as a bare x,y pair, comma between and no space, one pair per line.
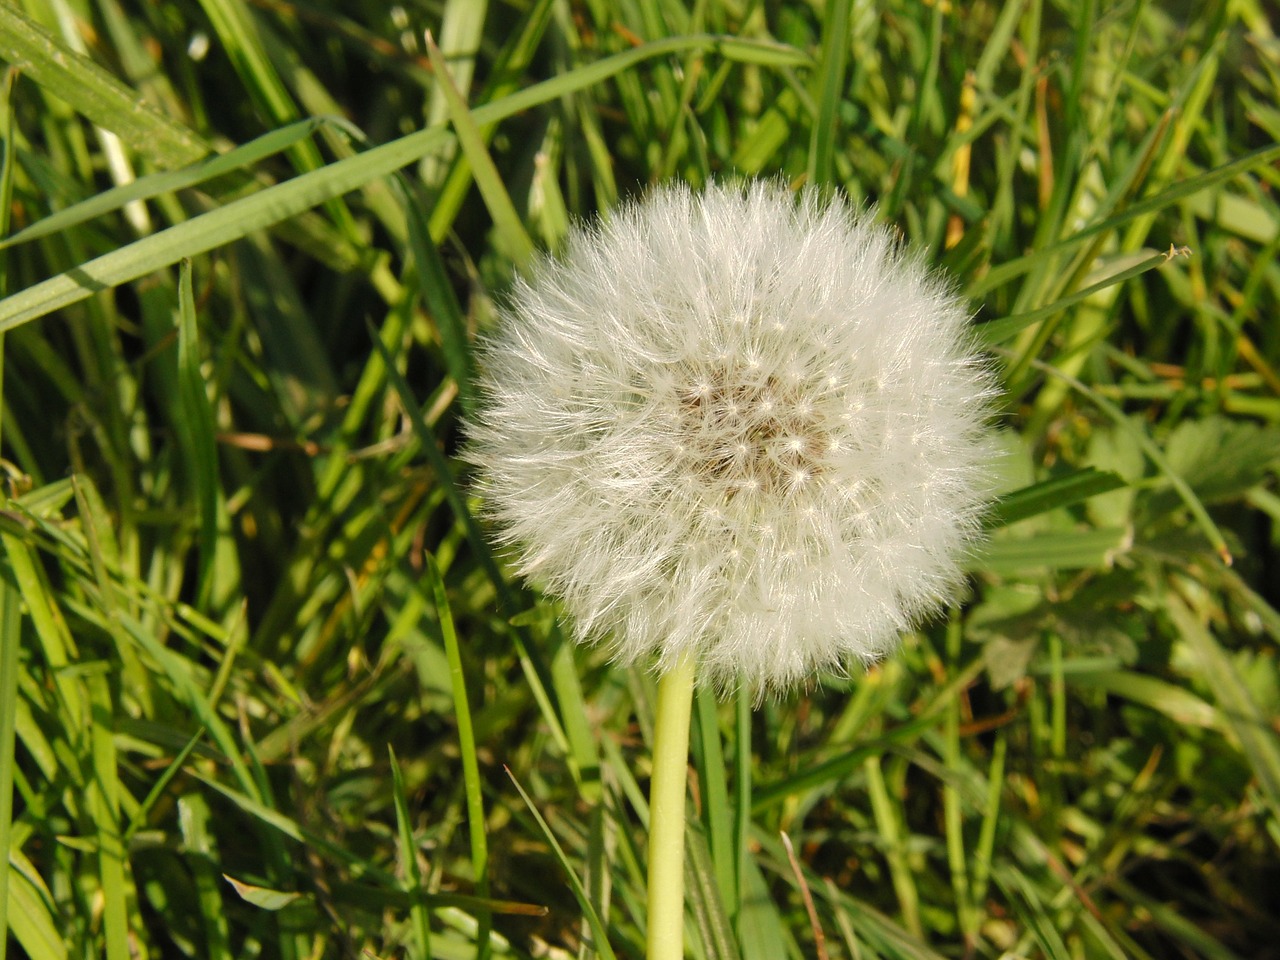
666,813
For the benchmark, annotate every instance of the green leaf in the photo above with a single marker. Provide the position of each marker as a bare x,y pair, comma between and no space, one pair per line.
1053,494
264,897
1252,728
1066,550
1221,459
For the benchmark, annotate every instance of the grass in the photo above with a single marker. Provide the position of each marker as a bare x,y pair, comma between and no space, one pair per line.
266,692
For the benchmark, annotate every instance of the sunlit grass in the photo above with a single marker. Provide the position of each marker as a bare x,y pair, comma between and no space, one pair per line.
232,397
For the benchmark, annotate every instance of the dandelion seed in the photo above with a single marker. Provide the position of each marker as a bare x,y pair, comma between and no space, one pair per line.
736,427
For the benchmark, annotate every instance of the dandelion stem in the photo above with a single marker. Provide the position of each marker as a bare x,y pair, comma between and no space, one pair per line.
667,812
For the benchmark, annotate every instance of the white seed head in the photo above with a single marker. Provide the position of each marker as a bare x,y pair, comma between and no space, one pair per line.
738,426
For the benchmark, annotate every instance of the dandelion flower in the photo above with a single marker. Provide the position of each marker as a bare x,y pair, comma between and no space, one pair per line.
736,427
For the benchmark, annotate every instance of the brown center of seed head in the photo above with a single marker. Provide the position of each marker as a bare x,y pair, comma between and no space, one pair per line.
750,434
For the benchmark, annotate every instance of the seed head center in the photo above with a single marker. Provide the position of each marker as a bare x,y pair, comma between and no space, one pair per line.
744,432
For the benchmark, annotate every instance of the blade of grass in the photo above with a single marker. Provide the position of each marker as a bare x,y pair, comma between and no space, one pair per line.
1028,903
967,916
438,295
248,41
174,767
461,32
705,900
826,123
7,166
198,838
197,419
761,931
1002,274
94,92
997,331
409,858
1179,704
32,922
103,806
717,813
1053,494
598,929
282,201
156,184
10,638
1065,550
742,798
983,853
510,230
502,81
584,758
10,598
892,844
467,747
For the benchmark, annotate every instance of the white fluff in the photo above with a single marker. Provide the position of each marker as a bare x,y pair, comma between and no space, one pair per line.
739,426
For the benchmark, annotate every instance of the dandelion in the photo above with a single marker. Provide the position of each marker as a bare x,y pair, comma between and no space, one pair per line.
742,437
738,429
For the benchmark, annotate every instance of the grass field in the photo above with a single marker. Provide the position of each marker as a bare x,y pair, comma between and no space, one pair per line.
266,692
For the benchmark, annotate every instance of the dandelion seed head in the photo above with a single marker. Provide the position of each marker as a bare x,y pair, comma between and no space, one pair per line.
738,426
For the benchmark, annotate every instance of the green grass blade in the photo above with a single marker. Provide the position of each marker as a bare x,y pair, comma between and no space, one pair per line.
94,92
598,929
984,852
104,808
1053,494
567,683
1031,906
139,817
761,931
953,815
461,33
997,331
893,844
10,639
833,60
241,34
7,167
275,204
156,184
1180,705
438,295
196,823
1002,274
409,858
33,923
513,60
513,239
742,800
1067,550
197,417
705,902
466,745
715,795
